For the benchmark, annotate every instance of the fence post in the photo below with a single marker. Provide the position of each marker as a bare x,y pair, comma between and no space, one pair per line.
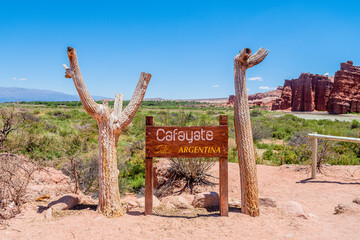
314,157
223,172
149,176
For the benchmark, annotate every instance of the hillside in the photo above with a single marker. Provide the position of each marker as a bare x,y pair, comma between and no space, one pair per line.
14,94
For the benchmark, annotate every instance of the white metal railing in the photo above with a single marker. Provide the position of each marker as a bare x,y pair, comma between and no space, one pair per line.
315,137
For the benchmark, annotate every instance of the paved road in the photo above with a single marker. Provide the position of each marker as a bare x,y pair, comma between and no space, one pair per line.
322,115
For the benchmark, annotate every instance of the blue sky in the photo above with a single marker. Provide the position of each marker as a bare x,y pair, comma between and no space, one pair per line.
188,46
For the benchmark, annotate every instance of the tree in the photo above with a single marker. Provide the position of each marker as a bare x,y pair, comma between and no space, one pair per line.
243,132
10,120
111,123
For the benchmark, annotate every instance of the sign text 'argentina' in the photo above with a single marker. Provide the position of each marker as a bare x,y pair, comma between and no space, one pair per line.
206,141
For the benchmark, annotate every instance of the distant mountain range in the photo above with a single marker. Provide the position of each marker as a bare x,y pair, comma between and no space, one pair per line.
13,94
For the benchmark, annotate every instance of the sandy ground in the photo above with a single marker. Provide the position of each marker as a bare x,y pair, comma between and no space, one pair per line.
337,184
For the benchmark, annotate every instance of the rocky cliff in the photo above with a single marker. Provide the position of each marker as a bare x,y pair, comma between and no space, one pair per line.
307,93
260,99
345,94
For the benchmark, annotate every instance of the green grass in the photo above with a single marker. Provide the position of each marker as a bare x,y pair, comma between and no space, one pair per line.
57,131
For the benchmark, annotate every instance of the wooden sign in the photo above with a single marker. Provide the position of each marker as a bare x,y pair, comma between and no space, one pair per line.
208,141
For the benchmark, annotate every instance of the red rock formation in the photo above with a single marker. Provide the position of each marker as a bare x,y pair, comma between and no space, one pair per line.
264,99
284,102
345,95
231,100
307,93
259,99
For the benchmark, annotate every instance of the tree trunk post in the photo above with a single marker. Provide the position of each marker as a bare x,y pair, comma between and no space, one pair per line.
111,123
243,131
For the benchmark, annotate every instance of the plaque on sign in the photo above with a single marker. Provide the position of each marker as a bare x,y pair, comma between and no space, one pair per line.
208,141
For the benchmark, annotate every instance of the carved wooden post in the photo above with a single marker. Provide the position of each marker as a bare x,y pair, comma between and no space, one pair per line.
111,123
149,176
243,132
223,172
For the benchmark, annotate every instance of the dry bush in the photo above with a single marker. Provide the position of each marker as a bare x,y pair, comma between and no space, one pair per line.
15,174
11,118
185,174
84,172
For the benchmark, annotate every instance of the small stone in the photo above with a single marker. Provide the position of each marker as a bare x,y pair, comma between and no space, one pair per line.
206,199
267,202
12,205
341,208
293,208
180,202
64,202
141,202
357,200
48,213
233,202
170,205
132,204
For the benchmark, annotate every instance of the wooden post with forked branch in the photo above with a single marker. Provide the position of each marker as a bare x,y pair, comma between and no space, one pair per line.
243,131
111,123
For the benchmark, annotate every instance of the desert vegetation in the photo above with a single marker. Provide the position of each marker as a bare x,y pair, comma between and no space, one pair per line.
66,138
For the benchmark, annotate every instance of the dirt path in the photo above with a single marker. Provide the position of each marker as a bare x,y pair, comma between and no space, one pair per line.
338,184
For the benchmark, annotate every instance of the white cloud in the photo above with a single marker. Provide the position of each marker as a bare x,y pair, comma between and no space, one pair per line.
215,86
20,79
326,74
266,88
260,79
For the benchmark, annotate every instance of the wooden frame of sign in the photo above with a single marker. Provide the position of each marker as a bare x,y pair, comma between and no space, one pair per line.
206,141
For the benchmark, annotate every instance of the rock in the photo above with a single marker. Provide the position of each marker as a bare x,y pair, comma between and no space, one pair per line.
141,202
64,202
129,204
233,202
259,99
284,102
170,205
267,202
313,217
265,98
161,167
206,199
345,94
85,199
357,200
309,92
293,208
133,204
341,208
188,197
48,213
43,198
179,202
231,100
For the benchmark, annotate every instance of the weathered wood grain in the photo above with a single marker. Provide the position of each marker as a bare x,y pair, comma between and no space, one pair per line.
111,123
224,182
243,132
149,176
